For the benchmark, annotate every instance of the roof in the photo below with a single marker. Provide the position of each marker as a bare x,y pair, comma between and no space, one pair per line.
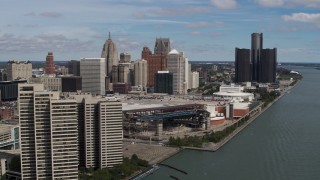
173,51
233,94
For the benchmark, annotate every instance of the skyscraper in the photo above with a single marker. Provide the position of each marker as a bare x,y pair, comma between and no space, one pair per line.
92,71
256,47
110,53
162,46
268,65
49,67
125,57
242,65
163,81
158,60
102,132
263,62
178,66
74,67
48,134
140,71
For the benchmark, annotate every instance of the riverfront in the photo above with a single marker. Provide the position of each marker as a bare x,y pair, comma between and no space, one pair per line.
280,144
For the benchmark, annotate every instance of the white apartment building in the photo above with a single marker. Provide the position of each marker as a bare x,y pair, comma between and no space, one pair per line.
103,132
48,134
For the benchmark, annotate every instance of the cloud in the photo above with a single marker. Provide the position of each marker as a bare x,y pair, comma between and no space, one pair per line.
289,3
195,33
51,14
30,14
302,17
270,3
224,4
170,12
202,24
42,43
125,44
162,21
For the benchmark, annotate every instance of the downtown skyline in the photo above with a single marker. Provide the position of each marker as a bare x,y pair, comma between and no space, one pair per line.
206,30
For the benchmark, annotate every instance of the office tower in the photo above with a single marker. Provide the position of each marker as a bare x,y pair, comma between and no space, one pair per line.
162,46
110,53
19,70
48,134
140,71
195,80
74,67
71,84
256,47
125,57
242,65
102,132
268,65
49,66
156,62
163,81
177,64
50,83
92,71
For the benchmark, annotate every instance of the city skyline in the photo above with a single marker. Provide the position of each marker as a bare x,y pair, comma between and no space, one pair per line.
207,30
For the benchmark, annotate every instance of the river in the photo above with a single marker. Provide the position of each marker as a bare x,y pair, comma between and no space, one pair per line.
282,143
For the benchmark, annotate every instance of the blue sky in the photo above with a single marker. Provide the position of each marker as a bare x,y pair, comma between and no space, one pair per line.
206,30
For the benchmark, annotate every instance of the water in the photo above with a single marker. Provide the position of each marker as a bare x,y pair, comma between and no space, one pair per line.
283,143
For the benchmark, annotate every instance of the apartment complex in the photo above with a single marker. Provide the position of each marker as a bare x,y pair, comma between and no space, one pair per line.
48,134
103,132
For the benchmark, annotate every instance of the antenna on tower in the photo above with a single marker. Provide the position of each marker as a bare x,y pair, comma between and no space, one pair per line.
109,36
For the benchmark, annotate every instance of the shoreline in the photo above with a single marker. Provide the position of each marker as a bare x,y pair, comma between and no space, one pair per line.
216,146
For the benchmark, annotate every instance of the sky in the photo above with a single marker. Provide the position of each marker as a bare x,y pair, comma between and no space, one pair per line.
206,30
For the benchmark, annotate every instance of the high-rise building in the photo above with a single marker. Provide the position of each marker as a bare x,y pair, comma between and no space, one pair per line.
48,134
162,46
268,65
178,65
256,47
263,62
242,65
163,82
92,71
140,71
19,70
110,53
49,66
195,79
125,57
102,132
74,67
71,83
156,62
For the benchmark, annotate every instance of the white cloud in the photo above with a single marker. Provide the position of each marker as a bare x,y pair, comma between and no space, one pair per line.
42,43
225,4
302,17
